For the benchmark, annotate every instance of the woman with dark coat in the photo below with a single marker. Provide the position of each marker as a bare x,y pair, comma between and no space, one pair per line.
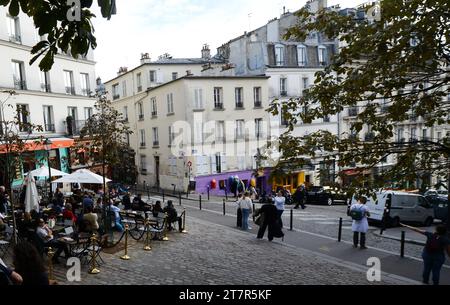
269,219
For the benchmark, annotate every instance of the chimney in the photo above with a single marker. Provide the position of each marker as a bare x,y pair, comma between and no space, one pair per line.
145,58
206,52
122,70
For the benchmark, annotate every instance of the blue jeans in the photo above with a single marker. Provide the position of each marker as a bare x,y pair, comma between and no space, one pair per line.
118,226
245,214
432,263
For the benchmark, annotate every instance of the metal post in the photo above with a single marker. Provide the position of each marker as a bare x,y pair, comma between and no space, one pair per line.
179,198
226,194
402,245
148,191
224,212
125,256
93,269
340,230
208,193
200,201
253,212
184,222
291,227
164,200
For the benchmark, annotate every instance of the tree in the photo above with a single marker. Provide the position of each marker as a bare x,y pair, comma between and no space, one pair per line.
15,140
394,66
105,132
65,31
125,171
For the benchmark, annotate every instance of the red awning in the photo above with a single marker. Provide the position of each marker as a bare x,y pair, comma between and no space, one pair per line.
35,145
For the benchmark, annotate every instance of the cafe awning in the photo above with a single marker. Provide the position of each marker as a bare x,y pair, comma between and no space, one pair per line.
36,144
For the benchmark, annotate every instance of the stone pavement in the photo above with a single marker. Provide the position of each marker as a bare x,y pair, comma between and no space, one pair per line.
215,254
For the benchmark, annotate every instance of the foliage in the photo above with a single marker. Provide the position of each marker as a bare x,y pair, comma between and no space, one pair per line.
50,18
125,171
394,69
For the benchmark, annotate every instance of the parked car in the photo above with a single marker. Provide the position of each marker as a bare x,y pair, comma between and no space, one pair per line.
392,207
440,206
433,192
325,195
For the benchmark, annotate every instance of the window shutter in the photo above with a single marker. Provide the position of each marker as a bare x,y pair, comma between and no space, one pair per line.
159,77
213,164
271,54
224,163
199,163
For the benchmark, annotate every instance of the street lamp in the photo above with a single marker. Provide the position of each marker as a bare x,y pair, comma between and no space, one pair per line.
48,148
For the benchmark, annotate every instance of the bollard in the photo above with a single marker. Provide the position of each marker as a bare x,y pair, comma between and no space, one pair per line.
93,269
402,245
166,219
226,194
164,200
253,212
200,201
208,193
291,227
184,222
148,191
50,254
125,256
179,198
147,246
340,230
187,194
224,212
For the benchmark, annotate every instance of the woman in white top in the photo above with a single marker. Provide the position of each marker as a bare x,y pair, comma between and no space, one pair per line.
246,207
280,200
360,227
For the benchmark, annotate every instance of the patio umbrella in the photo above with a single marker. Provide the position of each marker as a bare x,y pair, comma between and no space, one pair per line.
31,195
43,172
82,176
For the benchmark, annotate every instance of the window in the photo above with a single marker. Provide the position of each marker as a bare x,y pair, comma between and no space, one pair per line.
240,129
400,135
301,55
115,90
439,136
140,109
154,106
68,81
155,136
19,75
139,82
84,81
218,163
173,166
322,50
142,138
171,135
24,116
143,164
413,133
87,113
125,113
218,98
257,96
279,55
305,82
198,98
170,103
49,123
220,131
326,119
283,86
45,81
259,128
124,88
239,97
174,75
14,29
425,134
152,76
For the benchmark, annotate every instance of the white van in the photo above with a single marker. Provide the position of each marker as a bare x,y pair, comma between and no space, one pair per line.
395,207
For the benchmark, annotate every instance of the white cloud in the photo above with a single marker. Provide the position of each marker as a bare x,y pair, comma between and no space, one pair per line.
179,27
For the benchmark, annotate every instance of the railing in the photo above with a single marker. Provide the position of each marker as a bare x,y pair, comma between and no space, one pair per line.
155,143
116,97
413,140
46,88
283,93
239,105
20,84
141,117
353,111
154,113
70,90
85,92
75,128
258,104
50,127
15,38
142,145
218,106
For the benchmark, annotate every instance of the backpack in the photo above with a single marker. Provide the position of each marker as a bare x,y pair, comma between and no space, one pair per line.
433,244
357,214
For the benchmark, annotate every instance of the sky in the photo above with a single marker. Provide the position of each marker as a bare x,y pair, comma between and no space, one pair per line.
179,27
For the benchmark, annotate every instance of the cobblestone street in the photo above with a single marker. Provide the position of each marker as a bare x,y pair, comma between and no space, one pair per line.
215,254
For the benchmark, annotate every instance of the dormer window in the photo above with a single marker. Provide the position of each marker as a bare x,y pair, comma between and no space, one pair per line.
322,52
301,55
279,55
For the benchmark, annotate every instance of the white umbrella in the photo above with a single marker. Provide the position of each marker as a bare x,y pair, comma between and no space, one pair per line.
82,176
43,172
31,195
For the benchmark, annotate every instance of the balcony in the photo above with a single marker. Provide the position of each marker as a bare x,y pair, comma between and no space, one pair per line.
413,117
46,88
142,145
401,140
70,90
258,104
141,117
283,93
15,38
353,111
155,143
413,140
75,128
116,97
20,84
49,127
154,113
218,106
239,105
86,92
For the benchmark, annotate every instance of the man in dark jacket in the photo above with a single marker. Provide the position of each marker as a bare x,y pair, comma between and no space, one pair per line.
269,219
300,197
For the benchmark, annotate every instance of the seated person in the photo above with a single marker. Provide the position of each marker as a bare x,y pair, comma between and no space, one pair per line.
139,204
46,234
91,220
126,201
9,275
99,204
2,224
68,213
157,209
172,216
117,220
87,201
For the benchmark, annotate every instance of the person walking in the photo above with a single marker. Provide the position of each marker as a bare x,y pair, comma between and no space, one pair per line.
239,211
300,197
280,201
269,217
433,254
359,213
246,207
